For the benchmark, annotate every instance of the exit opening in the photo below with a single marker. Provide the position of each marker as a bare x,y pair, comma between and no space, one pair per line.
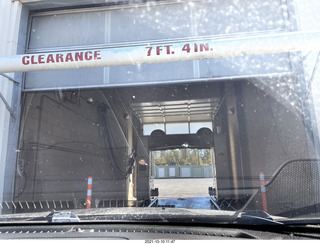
183,172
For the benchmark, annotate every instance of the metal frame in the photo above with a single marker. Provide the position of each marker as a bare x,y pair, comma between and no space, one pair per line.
11,79
154,201
218,79
8,107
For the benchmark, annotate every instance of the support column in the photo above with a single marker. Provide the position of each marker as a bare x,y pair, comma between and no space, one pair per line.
10,14
234,137
131,183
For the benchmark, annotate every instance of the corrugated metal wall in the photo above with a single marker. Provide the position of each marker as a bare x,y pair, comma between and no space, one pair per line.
10,13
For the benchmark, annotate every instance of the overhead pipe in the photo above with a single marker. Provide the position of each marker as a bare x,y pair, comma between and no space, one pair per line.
167,51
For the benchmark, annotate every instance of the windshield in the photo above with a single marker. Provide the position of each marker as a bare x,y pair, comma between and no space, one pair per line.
187,105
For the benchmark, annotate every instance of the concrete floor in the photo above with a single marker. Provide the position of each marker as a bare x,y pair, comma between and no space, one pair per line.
183,187
189,193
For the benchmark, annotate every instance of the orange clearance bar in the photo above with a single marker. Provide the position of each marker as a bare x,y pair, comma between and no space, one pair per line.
169,51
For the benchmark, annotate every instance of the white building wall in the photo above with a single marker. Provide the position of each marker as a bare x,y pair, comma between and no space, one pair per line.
10,13
308,19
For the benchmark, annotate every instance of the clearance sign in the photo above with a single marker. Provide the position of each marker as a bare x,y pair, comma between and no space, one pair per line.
170,51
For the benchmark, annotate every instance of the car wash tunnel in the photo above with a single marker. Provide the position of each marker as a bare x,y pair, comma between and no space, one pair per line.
107,135
93,108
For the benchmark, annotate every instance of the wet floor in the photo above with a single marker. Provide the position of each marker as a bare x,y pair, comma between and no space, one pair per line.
188,202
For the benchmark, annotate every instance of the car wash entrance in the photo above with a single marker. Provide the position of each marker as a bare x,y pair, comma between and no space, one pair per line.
113,135
99,104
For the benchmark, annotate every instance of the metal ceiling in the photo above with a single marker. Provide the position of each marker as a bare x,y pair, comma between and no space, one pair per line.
182,111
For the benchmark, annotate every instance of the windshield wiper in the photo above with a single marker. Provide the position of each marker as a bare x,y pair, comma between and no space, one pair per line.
256,217
157,215
53,217
174,215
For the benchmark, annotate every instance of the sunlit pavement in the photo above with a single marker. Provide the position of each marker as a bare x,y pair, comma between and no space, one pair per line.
189,193
183,187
